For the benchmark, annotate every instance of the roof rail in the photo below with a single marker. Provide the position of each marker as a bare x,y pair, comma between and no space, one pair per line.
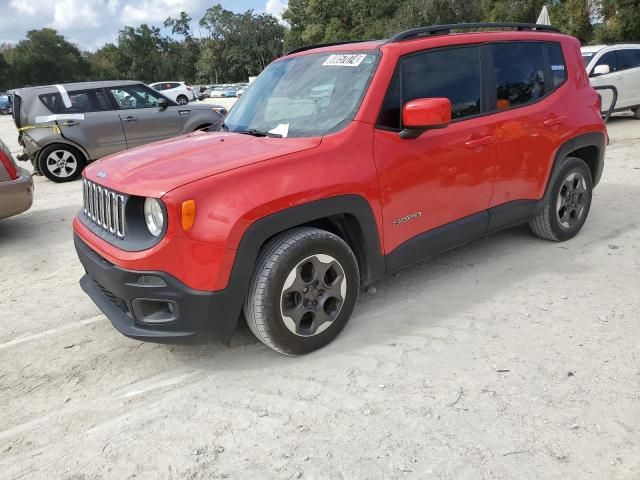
319,45
446,29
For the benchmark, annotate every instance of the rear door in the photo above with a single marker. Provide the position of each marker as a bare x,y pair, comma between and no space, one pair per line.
528,116
100,130
143,119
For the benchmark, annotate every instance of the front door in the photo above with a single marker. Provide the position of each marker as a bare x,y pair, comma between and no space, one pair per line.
444,175
143,119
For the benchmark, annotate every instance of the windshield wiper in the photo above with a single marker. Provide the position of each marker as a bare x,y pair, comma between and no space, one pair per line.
258,133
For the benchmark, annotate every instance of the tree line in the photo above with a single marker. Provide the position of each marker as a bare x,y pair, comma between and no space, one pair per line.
230,47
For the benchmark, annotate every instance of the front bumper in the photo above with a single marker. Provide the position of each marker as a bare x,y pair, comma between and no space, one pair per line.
16,196
131,302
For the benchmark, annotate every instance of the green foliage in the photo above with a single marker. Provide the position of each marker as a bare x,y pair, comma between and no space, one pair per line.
621,21
234,46
45,57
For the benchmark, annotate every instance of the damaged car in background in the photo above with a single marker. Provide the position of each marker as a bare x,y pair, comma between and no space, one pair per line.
64,127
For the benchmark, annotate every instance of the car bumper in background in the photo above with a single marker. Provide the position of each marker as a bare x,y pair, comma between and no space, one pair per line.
16,196
155,306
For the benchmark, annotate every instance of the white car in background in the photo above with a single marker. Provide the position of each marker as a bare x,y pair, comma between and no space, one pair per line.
617,65
179,92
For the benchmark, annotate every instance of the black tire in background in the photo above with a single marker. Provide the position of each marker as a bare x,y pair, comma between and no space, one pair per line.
568,204
303,290
182,100
61,163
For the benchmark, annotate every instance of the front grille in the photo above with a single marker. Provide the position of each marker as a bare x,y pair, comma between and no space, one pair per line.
104,207
118,302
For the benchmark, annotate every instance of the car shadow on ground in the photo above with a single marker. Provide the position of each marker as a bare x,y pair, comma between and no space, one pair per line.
33,228
419,296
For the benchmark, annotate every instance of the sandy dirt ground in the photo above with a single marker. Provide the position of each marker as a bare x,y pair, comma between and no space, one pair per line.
511,358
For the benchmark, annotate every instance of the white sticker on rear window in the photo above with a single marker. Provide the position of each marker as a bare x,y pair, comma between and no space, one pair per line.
556,68
344,60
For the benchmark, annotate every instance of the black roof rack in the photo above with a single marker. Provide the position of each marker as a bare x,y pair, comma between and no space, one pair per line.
446,29
320,45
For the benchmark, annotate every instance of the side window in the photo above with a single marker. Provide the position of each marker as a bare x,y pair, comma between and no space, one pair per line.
556,63
84,101
452,73
610,59
520,73
628,59
135,96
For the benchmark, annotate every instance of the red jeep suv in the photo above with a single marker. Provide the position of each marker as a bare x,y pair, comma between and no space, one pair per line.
341,163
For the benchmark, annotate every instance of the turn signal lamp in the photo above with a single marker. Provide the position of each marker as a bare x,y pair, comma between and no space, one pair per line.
188,214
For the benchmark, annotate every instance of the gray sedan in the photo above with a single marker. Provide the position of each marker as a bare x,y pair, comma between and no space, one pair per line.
64,127
16,186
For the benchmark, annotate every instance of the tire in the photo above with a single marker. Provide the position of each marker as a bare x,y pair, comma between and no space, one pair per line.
636,113
61,163
568,204
182,100
299,259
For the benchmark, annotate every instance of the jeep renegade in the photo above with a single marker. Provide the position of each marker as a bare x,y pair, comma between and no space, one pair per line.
341,163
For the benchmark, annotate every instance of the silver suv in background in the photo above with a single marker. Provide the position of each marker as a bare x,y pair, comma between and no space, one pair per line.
16,185
64,127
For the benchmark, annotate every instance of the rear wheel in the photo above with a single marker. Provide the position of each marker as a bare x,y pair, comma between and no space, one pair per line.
303,291
61,163
568,204
182,100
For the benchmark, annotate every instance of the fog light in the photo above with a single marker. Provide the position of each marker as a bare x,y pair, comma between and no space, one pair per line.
155,311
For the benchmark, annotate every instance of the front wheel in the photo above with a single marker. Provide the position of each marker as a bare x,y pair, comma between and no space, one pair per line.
568,204
61,163
303,291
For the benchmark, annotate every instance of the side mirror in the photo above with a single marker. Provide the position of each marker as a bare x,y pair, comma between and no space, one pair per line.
600,70
424,114
162,103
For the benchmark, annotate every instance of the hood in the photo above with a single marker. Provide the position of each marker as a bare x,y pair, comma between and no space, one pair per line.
158,168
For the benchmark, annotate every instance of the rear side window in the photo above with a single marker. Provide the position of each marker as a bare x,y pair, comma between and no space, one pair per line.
519,72
556,63
628,59
452,73
81,102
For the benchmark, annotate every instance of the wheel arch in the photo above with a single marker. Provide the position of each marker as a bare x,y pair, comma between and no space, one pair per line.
65,143
348,216
589,147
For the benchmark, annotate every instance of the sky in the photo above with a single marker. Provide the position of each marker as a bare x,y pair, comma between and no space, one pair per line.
92,23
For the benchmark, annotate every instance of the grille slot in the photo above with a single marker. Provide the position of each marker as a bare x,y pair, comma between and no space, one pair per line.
103,207
114,299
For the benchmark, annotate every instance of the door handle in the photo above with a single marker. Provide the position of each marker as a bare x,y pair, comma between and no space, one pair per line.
71,124
479,142
552,122
130,119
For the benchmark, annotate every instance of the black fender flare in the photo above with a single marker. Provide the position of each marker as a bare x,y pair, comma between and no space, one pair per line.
590,139
265,228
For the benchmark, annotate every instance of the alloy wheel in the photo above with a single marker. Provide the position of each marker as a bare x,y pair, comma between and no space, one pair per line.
572,199
61,163
313,295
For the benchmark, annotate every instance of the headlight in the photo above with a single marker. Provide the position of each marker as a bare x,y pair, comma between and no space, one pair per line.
153,216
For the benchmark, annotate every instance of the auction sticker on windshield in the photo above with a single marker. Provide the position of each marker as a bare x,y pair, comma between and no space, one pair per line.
349,60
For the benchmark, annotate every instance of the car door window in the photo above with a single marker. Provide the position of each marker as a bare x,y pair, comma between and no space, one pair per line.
135,96
83,101
628,59
610,59
556,63
519,73
452,73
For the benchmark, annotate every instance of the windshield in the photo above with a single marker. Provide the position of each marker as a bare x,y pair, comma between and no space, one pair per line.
306,96
586,57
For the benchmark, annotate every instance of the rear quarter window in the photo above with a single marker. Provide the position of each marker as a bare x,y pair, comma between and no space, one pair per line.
83,101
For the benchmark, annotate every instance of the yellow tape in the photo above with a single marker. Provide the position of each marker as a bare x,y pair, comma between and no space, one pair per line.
55,127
